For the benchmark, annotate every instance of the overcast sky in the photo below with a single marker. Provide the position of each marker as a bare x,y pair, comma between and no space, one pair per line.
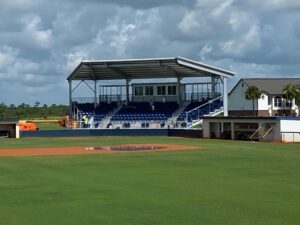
41,41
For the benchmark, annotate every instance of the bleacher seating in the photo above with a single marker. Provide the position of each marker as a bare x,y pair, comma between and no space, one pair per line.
99,113
103,109
143,111
85,108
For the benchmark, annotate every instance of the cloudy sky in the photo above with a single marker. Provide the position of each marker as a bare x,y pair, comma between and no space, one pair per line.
41,41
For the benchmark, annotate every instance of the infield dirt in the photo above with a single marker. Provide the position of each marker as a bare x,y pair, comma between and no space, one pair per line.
75,150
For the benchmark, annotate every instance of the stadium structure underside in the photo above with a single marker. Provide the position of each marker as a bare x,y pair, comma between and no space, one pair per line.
166,102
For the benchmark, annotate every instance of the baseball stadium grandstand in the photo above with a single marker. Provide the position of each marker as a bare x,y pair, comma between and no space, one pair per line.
179,92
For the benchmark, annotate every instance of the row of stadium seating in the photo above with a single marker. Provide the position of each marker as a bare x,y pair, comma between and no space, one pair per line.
143,111
88,109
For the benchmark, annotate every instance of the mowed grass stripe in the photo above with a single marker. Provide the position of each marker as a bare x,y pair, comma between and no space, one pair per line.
226,183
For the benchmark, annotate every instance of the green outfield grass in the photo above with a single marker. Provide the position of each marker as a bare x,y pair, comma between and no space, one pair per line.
229,182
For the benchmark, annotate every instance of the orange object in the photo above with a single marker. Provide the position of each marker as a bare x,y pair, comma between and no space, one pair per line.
30,126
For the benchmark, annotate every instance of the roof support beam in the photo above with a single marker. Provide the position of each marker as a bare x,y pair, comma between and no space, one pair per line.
198,68
76,85
95,85
92,71
115,70
89,86
169,69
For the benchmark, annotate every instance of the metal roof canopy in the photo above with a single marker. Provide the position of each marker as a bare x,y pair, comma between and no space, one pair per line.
176,67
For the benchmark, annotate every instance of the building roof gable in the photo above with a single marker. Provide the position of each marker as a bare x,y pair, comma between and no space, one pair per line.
271,86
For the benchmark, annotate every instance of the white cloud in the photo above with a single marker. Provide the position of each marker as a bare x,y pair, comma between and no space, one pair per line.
248,42
205,50
34,31
7,57
73,59
268,5
120,41
17,4
189,23
45,40
223,6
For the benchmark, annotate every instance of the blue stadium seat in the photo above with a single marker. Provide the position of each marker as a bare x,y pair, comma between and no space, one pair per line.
142,111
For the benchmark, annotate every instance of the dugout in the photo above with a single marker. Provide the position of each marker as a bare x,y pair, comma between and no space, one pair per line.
282,129
9,128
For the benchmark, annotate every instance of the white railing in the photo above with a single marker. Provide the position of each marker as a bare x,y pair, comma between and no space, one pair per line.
199,109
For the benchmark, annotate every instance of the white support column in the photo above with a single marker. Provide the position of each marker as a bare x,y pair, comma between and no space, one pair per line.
178,91
95,93
17,131
225,96
213,87
127,91
121,94
70,96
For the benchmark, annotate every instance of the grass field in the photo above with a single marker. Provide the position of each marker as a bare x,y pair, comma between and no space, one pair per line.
229,182
49,126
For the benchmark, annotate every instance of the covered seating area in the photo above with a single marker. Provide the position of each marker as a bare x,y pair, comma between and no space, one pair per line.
166,101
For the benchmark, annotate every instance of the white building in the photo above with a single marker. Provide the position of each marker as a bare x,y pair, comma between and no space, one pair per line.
271,102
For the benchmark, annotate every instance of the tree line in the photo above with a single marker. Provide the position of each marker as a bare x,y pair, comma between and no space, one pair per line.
26,111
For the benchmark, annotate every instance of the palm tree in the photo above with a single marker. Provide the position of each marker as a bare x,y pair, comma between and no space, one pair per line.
252,93
36,104
290,92
297,101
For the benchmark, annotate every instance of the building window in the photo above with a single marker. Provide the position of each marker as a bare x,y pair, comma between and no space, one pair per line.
172,90
278,101
148,90
138,91
288,103
161,90
242,84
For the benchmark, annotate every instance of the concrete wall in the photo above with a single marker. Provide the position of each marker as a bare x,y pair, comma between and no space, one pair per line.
113,132
206,129
95,132
273,134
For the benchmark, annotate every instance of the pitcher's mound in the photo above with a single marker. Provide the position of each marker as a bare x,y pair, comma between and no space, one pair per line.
126,148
